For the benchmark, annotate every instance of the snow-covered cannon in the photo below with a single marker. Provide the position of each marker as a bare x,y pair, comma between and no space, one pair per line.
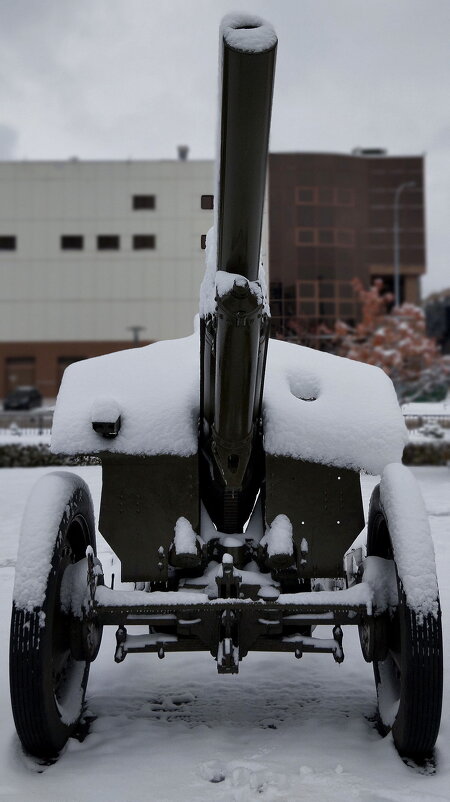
230,487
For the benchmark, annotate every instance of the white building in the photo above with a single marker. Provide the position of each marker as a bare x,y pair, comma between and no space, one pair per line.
89,250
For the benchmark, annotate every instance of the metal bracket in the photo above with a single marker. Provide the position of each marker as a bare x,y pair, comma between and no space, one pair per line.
228,583
92,579
120,653
107,429
228,646
338,652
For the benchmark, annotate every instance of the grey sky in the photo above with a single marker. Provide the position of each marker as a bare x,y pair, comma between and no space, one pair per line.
135,78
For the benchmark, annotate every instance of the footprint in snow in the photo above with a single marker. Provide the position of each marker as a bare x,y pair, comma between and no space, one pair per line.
213,771
244,778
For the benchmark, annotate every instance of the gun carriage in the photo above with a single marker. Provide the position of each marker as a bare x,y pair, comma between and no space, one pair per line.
231,489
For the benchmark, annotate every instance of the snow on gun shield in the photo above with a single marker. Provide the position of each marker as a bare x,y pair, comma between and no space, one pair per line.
231,488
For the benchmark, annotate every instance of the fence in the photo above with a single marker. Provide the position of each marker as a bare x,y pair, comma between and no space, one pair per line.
19,425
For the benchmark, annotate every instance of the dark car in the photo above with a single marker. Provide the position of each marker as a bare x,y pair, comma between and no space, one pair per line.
23,398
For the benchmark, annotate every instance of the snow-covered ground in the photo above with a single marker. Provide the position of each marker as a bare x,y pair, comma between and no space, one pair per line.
173,729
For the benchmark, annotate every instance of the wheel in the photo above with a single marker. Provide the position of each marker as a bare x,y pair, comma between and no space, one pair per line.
409,678
48,666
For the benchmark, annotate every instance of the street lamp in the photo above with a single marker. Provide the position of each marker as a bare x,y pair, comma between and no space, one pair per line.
398,192
135,331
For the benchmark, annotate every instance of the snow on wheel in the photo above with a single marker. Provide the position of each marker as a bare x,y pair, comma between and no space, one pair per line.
409,678
50,647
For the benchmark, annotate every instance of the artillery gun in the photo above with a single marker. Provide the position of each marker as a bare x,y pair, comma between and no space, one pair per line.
231,487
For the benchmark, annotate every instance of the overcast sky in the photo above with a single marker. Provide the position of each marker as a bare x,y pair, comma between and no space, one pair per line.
114,79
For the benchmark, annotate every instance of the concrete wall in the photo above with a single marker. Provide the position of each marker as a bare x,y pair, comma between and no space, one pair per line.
50,294
57,304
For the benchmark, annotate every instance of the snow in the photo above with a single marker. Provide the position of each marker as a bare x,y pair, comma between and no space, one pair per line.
172,729
217,283
185,540
316,406
356,595
389,701
129,598
278,537
379,574
225,282
28,438
411,537
41,519
424,409
208,585
247,33
327,409
69,704
105,410
155,388
74,588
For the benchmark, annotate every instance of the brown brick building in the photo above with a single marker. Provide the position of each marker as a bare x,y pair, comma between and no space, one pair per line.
331,219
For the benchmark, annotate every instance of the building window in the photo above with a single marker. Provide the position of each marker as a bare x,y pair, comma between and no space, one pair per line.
20,372
345,237
325,217
306,195
325,237
203,242
144,202
330,298
306,216
344,197
72,242
324,196
143,242
108,242
207,202
305,236
8,243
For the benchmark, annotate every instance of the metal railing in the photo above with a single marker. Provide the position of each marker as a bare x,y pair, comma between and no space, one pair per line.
18,423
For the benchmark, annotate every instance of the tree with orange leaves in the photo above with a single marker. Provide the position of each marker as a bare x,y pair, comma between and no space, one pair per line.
395,341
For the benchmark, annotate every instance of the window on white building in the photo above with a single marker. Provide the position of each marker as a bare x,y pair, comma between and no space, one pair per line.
108,242
8,242
207,202
72,242
144,242
144,202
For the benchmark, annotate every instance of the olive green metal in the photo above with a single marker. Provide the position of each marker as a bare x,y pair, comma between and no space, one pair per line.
236,392
247,88
324,506
255,627
234,345
234,340
268,618
237,341
142,499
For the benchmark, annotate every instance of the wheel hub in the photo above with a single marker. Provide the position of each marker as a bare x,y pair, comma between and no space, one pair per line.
373,637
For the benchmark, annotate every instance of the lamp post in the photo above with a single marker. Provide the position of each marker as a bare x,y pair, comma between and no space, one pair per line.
398,192
135,331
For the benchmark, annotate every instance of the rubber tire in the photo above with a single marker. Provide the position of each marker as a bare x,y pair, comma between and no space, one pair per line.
417,673
34,648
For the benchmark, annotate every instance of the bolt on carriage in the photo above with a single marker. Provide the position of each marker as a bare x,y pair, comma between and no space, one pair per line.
230,487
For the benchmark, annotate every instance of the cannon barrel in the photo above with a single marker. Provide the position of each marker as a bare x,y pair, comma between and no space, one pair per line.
248,65
234,331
